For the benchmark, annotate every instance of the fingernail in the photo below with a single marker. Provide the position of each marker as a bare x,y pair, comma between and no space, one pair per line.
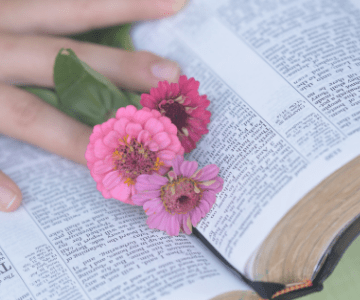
166,70
7,198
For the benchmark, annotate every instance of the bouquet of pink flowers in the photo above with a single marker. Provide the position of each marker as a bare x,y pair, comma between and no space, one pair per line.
137,157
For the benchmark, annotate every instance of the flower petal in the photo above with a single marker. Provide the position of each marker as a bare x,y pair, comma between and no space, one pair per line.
111,180
158,180
154,220
169,127
121,192
187,143
141,198
138,200
163,88
153,206
186,224
143,137
187,168
108,126
197,126
96,134
89,154
173,226
166,156
156,113
175,144
112,139
173,91
154,126
216,187
100,149
104,191
149,194
148,101
209,197
120,126
204,102
128,112
143,183
143,179
207,173
162,139
202,114
133,129
176,163
133,190
121,112
195,136
155,93
195,216
153,146
163,170
187,85
164,223
205,207
106,194
100,167
141,116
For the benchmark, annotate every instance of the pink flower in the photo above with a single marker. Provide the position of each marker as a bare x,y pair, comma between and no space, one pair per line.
184,106
179,200
135,142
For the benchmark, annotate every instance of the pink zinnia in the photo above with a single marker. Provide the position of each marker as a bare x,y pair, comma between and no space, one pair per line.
184,106
181,199
135,142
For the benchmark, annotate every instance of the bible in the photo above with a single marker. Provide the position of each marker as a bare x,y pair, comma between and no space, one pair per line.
283,80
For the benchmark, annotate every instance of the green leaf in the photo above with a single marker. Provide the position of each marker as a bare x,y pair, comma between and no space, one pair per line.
84,93
47,95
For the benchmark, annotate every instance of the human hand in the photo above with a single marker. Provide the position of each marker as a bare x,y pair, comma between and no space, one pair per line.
27,55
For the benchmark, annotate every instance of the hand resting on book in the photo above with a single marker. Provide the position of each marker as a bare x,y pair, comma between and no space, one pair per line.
27,55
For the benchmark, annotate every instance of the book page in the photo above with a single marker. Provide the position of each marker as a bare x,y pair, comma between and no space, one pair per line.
67,242
283,80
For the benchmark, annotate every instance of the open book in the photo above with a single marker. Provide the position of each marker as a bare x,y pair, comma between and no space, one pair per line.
283,78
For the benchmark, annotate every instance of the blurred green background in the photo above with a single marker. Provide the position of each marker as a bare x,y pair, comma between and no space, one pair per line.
344,282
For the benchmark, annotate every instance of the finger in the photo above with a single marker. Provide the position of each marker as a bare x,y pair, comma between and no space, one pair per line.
29,60
10,194
25,117
69,16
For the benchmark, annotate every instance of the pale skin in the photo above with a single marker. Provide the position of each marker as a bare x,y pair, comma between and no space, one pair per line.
30,38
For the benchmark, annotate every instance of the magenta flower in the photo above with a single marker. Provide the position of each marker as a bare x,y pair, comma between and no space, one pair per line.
135,142
181,199
184,106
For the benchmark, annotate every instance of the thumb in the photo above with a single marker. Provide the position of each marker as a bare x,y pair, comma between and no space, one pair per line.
10,194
